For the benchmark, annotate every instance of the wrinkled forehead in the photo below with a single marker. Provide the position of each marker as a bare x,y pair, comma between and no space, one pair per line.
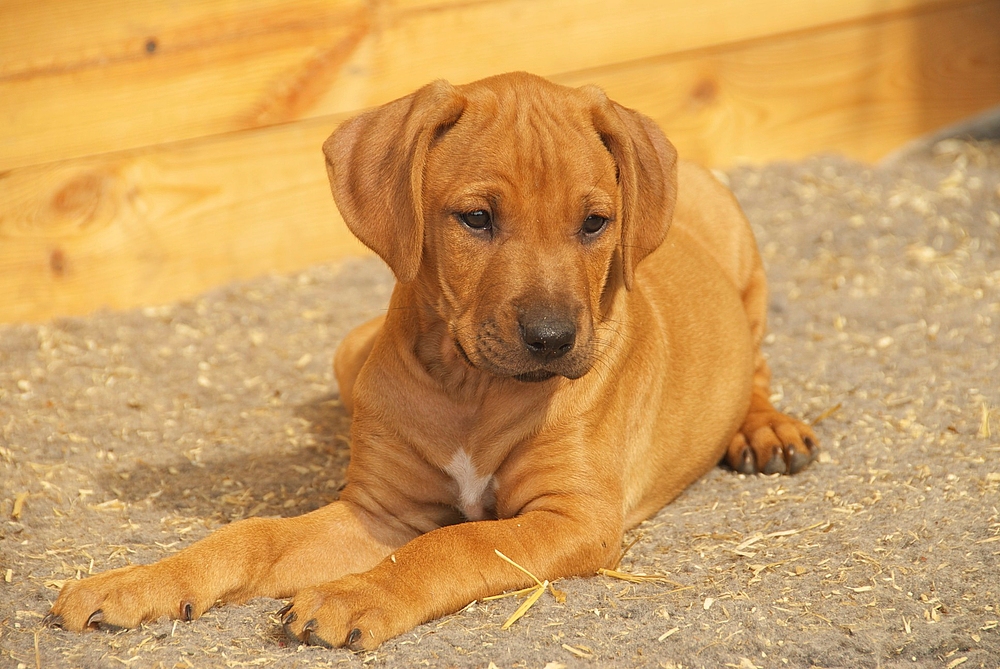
543,138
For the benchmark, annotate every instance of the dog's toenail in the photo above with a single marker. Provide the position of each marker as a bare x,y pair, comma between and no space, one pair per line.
810,444
52,620
284,609
354,637
290,618
310,625
187,611
776,465
797,461
747,464
95,619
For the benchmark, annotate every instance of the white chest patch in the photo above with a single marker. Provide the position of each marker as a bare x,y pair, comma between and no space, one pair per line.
475,493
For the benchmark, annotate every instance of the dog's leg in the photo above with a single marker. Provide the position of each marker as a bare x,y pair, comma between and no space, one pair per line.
255,557
351,354
769,441
441,571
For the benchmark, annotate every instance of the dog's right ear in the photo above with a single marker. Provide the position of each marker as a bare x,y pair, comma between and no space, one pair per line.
375,162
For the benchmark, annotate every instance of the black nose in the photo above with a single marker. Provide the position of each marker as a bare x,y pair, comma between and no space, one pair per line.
548,337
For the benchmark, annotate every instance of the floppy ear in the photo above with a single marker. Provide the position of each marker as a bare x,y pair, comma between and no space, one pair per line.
647,177
375,162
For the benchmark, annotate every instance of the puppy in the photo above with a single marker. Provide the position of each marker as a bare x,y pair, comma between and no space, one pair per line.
553,367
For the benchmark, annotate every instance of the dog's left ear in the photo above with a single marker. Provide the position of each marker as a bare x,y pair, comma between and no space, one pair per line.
375,162
647,177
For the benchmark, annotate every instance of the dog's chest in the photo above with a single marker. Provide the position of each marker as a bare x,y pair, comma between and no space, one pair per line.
476,495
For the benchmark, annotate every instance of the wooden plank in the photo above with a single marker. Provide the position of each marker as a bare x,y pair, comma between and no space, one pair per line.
147,72
153,226
162,223
180,91
42,36
861,90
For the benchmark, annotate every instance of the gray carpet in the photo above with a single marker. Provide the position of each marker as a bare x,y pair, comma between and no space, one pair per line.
126,436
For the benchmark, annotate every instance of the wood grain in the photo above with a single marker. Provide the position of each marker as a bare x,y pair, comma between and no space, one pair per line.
146,72
149,227
164,222
861,90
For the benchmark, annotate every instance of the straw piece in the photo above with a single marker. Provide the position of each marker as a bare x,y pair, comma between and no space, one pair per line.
579,652
504,557
637,578
527,604
18,506
829,412
558,595
788,533
512,593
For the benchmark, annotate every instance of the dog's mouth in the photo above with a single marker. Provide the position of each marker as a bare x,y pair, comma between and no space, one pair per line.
531,376
465,356
535,376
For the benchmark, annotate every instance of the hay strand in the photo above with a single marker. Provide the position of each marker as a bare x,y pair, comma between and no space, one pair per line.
826,414
507,559
581,651
536,591
15,514
638,578
984,425
513,593
525,605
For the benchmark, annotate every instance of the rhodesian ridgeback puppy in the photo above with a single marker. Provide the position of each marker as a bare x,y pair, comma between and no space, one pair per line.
554,366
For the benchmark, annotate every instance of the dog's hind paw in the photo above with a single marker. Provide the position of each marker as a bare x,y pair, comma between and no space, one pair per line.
769,442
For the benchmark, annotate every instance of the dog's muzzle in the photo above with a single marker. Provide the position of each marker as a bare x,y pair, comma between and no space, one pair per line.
537,345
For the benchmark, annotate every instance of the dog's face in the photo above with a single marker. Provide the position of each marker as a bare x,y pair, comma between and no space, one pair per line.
517,206
521,227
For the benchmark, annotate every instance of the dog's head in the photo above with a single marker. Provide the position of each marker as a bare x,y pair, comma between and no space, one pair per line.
517,206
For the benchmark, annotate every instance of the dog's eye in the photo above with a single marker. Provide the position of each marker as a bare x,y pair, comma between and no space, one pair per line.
479,219
593,224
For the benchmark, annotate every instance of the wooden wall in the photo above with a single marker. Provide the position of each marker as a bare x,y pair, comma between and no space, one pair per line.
151,149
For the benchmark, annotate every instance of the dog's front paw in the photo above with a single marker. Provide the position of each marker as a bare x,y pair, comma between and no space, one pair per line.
769,442
119,599
349,612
